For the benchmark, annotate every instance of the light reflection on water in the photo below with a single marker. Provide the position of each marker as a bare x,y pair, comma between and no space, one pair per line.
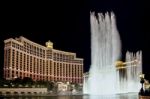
123,96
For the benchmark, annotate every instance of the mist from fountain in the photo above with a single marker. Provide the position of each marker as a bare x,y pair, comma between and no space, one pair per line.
103,77
133,70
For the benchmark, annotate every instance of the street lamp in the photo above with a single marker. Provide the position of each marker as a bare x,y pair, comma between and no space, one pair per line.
142,82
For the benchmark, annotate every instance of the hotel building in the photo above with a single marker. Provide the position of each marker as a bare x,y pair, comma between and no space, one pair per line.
24,58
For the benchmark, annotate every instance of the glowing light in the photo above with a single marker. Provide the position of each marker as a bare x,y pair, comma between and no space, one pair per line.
49,44
141,75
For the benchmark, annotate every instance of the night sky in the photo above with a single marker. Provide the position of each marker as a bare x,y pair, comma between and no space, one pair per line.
67,25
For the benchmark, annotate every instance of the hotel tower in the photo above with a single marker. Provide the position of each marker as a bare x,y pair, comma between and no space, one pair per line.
24,58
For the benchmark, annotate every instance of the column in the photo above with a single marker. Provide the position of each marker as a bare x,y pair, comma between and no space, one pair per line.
49,74
19,64
71,68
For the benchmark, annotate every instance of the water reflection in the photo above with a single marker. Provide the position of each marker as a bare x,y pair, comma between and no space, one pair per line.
122,96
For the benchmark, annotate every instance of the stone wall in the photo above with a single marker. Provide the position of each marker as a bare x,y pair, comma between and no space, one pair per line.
23,90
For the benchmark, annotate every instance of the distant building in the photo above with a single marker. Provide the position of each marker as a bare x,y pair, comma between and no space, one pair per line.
24,58
62,86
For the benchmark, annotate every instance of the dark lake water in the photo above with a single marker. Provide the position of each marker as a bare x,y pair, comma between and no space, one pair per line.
122,96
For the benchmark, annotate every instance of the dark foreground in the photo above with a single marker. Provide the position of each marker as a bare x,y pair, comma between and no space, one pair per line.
121,96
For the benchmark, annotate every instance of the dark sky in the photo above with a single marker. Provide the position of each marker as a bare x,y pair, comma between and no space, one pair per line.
67,24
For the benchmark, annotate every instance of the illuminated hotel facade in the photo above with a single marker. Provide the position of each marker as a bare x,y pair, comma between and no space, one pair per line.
24,58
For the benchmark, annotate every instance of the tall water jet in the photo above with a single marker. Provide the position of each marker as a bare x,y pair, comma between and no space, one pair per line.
106,49
134,67
104,78
129,80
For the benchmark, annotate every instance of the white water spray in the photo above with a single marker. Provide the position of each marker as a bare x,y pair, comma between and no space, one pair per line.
103,77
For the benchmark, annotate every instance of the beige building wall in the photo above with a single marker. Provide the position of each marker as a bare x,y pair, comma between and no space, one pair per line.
24,58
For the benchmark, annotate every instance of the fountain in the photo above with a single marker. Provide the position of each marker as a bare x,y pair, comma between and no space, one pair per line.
134,66
103,77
